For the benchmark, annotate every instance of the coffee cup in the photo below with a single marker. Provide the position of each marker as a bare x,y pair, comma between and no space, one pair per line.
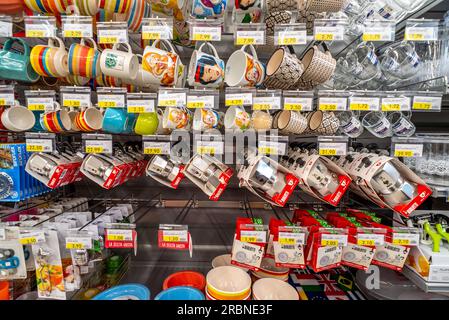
206,119
283,70
15,65
291,122
237,118
243,69
119,64
176,118
147,123
202,9
114,120
206,70
90,119
17,118
50,60
56,121
84,60
261,120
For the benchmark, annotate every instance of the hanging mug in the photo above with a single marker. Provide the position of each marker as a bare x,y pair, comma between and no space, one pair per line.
17,118
244,69
84,61
56,121
176,118
139,9
237,118
206,119
50,60
206,70
202,9
115,6
119,64
14,65
88,120
147,123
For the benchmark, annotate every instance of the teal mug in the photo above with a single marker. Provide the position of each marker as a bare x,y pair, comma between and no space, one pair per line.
14,65
115,120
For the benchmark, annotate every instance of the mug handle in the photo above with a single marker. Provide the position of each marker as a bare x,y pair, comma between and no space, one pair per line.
57,106
168,46
51,43
8,45
253,51
139,57
89,40
126,44
212,48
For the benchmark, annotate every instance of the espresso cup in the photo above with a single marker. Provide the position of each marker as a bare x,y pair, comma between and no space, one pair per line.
147,123
162,65
50,60
56,121
17,118
84,61
243,69
236,118
283,70
88,120
206,70
204,119
115,120
291,122
261,120
202,9
119,64
176,118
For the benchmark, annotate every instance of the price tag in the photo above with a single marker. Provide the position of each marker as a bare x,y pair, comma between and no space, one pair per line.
408,150
421,33
209,147
298,103
406,239
77,30
2,234
253,236
5,29
31,237
291,37
364,103
175,235
157,32
40,104
98,146
172,99
396,104
332,103
76,100
111,36
238,99
334,240
332,148
370,239
39,145
378,33
152,147
254,37
266,103
329,33
6,99
140,106
194,102
206,33
78,243
37,30
271,148
291,238
119,235
426,103
111,100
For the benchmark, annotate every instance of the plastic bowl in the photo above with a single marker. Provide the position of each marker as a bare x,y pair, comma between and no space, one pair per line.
180,293
125,292
4,290
228,281
185,279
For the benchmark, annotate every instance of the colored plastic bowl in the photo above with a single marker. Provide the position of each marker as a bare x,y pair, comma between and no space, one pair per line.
125,292
180,293
185,279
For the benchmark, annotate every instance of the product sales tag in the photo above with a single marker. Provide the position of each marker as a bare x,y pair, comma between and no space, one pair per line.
288,254
206,33
77,100
31,237
39,145
427,33
119,235
375,33
111,100
254,37
291,238
77,30
2,234
408,150
172,99
120,238
290,37
271,148
333,148
405,239
332,103
267,103
194,102
329,33
5,29
153,147
396,104
247,255
298,103
78,243
370,239
426,103
157,32
364,103
140,106
238,99
98,146
111,36
334,240
209,147
175,235
40,104
6,99
40,30
253,236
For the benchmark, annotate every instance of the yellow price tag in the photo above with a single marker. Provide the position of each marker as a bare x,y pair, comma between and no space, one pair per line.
202,37
170,238
248,239
267,150
116,237
391,107
72,103
401,242
168,103
94,149
328,152
35,34
151,35
234,102
359,106
73,34
205,150
422,106
106,40
136,109
293,106
195,104
107,104
330,243
36,107
328,106
324,36
287,41
26,241
152,151
414,36
287,241
371,37
34,148
261,106
366,242
2,102
403,153
74,245
246,40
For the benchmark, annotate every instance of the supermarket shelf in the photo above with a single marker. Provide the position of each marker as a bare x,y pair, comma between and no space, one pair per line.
431,287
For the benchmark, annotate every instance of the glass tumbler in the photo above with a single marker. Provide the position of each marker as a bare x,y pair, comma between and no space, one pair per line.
377,123
350,123
401,124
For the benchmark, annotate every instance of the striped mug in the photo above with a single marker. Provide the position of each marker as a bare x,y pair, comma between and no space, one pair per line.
56,121
50,60
84,60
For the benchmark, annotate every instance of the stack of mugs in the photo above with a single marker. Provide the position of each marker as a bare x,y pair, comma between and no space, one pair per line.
228,283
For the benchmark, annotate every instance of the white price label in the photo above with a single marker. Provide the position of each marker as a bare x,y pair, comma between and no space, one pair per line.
37,30
111,100
254,37
290,37
396,104
78,243
152,147
332,148
140,106
78,100
40,104
157,32
421,33
405,239
340,240
210,147
266,103
175,235
5,29
298,103
378,33
271,148
31,237
2,234
39,145
292,238
253,236
194,102
238,99
364,103
172,99
426,103
111,36
6,99
210,33
370,239
408,150
98,146
332,103
77,30
329,33
119,235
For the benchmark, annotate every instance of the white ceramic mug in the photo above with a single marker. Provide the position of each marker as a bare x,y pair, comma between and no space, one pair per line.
237,118
261,120
244,69
206,70
206,119
18,118
119,64
176,118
